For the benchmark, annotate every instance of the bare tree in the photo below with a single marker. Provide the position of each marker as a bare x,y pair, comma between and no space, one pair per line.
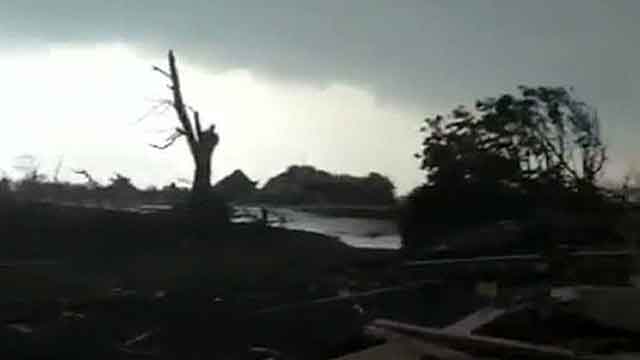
56,171
28,165
202,142
90,180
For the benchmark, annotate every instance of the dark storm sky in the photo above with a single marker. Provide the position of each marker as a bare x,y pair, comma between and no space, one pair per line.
399,60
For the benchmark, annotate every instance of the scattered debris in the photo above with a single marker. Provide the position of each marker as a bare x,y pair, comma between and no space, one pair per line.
487,288
138,338
136,353
565,294
474,344
21,328
476,320
406,348
72,315
122,292
614,307
265,352
358,308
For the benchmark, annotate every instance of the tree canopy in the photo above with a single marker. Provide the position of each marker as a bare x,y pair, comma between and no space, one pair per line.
504,159
308,185
541,134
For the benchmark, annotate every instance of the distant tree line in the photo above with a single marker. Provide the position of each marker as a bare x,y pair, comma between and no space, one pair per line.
235,187
307,185
119,192
298,185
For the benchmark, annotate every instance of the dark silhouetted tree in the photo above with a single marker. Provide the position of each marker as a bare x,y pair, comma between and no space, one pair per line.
235,187
541,134
201,142
307,185
6,196
538,148
56,171
121,182
91,182
5,186
121,191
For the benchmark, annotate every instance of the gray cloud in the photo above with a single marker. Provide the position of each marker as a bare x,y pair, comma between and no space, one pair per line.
416,53
416,50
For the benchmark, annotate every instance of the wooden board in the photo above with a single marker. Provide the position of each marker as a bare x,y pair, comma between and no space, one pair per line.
473,344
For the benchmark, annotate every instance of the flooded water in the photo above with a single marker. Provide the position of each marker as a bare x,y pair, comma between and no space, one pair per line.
357,232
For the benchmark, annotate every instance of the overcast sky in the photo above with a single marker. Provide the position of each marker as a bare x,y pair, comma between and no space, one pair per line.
341,85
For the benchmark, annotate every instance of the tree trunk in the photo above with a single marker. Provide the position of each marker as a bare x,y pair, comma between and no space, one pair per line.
202,152
202,174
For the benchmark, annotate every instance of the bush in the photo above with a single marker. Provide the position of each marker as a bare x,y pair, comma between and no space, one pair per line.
430,212
548,214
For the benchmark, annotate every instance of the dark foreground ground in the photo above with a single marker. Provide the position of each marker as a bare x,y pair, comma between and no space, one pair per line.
89,283
95,284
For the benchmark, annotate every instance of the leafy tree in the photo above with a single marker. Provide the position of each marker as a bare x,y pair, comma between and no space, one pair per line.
504,158
120,191
235,187
121,182
308,185
540,134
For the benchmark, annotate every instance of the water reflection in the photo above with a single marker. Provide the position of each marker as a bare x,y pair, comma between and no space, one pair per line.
357,232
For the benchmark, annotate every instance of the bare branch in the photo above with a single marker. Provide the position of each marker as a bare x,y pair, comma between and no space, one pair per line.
56,172
550,148
165,101
179,106
196,117
170,140
163,105
162,71
600,160
163,146
87,176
